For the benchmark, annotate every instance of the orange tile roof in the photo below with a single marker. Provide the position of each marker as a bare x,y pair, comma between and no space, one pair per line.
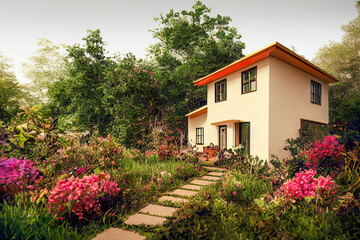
275,50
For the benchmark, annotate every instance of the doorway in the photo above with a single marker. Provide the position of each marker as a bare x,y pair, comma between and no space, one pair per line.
242,135
222,136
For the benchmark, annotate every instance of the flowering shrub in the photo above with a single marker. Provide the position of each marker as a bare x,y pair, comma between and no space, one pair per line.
16,174
231,190
305,185
81,195
101,151
325,156
186,172
166,151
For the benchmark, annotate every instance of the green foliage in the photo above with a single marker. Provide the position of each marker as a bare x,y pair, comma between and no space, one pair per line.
32,135
342,60
209,216
46,65
10,90
247,164
33,222
191,44
106,94
351,174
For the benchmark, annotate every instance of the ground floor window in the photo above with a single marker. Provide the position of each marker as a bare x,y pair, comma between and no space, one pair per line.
312,131
200,136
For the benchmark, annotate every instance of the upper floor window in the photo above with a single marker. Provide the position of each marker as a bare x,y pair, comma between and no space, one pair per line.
220,91
249,80
315,92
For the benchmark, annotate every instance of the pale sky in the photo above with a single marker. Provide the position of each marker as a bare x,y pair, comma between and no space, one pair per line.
306,25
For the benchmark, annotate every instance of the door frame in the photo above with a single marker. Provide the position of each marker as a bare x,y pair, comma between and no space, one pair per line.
221,126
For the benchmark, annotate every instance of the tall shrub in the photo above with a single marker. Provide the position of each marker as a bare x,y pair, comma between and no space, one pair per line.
325,156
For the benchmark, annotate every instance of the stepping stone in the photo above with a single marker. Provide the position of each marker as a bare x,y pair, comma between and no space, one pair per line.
184,193
201,182
117,233
216,169
139,218
159,210
210,178
173,199
219,174
192,187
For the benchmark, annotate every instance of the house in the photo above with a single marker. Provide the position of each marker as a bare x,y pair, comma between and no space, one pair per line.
259,101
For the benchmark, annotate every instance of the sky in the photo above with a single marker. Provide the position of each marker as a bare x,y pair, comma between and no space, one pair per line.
304,25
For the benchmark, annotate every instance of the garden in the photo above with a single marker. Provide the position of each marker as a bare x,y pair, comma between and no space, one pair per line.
74,185
95,137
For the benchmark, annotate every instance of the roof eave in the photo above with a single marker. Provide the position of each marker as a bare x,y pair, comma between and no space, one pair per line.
271,50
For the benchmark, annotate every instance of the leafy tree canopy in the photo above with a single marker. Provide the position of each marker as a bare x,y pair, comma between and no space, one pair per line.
46,65
192,44
105,93
10,91
342,59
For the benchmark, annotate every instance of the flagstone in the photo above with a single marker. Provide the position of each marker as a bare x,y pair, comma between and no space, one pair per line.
139,218
210,178
216,168
192,187
219,174
201,182
173,199
183,192
159,210
117,234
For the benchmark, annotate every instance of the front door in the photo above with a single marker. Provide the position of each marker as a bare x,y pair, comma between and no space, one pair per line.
245,136
222,136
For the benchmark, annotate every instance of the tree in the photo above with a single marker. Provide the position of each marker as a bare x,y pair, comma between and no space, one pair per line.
10,91
46,65
191,44
80,93
342,59
107,94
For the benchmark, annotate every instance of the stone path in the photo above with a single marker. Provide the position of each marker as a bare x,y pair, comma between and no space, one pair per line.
155,214
117,233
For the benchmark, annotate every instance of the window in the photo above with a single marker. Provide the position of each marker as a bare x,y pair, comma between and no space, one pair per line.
313,130
315,92
249,80
220,91
200,136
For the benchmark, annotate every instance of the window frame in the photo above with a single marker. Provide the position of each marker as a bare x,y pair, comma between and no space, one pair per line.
315,92
199,136
216,90
243,91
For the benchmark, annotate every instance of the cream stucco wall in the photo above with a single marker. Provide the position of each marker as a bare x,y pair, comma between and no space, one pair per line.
197,122
290,102
250,107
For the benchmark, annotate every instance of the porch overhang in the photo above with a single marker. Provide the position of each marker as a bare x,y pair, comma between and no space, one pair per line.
197,112
225,122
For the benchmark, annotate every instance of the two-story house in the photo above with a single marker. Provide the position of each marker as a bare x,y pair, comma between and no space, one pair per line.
259,101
